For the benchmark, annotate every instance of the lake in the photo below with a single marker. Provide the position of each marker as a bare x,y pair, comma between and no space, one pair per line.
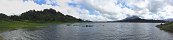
91,31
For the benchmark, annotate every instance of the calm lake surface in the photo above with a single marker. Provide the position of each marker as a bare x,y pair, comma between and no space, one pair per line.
91,31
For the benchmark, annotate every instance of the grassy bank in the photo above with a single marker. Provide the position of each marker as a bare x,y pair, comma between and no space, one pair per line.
10,25
166,27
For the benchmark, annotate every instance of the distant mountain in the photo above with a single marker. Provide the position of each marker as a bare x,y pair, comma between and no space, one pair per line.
170,19
137,19
133,17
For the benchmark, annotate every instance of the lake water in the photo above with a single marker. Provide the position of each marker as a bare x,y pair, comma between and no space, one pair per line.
91,31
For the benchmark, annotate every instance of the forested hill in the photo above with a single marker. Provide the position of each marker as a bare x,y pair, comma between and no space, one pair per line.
47,15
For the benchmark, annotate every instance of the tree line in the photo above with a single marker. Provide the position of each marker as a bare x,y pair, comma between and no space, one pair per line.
47,15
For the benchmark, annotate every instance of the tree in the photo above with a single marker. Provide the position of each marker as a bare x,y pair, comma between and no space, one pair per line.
14,18
47,15
3,16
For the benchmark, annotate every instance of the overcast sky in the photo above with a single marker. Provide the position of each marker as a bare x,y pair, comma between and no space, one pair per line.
94,10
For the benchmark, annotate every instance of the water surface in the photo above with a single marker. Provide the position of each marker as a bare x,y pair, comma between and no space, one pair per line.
91,31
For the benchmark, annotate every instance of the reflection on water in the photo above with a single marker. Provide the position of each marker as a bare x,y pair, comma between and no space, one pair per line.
91,31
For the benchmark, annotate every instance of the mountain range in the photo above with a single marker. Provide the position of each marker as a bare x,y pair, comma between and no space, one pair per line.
137,19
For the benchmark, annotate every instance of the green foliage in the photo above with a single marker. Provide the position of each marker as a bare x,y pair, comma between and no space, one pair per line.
33,18
167,26
3,16
7,25
47,15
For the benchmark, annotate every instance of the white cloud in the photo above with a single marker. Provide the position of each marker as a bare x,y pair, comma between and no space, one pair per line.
147,9
96,10
11,7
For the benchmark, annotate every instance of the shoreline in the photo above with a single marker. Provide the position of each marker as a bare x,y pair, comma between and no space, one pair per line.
166,27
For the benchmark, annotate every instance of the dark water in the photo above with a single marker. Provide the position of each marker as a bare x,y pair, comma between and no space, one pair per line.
92,31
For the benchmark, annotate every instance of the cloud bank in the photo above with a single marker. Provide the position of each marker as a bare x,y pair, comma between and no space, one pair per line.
94,10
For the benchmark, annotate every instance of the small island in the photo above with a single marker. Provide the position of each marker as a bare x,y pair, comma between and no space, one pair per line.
32,18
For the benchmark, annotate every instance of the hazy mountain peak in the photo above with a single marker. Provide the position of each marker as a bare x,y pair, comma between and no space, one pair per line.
170,19
132,17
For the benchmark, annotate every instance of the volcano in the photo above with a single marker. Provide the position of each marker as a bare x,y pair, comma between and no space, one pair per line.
137,19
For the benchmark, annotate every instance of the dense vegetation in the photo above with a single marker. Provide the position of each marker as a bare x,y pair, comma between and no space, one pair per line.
35,18
47,15
166,26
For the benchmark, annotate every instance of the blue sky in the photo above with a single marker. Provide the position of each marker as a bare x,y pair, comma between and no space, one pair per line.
41,2
95,10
